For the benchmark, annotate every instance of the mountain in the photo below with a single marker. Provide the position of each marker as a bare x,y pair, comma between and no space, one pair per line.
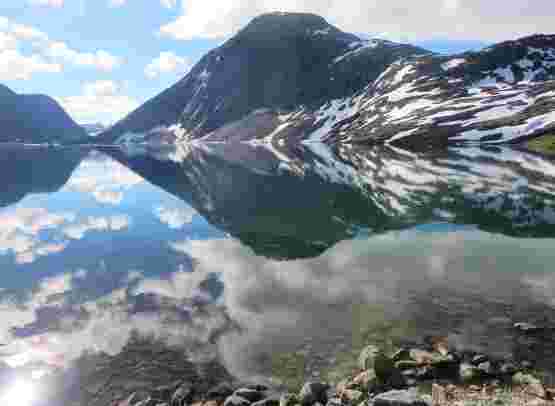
293,77
502,94
35,119
279,61
94,129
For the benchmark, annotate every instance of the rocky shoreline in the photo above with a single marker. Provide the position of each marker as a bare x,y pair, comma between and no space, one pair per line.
427,376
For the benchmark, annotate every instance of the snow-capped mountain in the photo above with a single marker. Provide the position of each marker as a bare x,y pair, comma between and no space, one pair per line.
277,63
35,119
504,93
293,77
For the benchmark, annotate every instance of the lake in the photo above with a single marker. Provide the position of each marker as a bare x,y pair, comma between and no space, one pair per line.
253,261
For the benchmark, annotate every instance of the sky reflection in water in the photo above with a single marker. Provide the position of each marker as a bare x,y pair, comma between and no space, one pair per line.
244,253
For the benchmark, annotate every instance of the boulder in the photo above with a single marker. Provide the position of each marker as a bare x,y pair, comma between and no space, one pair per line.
183,395
423,357
486,368
367,357
478,359
408,397
334,402
220,391
468,372
250,394
313,392
235,400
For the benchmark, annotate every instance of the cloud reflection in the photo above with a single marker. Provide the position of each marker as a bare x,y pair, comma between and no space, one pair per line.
175,218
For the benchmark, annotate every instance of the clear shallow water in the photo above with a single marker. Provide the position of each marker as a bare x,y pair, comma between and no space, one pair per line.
269,263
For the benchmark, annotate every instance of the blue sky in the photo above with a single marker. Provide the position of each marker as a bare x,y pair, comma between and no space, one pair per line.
102,58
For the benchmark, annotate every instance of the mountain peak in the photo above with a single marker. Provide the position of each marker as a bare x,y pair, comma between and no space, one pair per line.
282,24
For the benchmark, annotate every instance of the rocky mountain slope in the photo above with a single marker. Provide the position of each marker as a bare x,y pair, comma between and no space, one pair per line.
279,61
294,77
35,119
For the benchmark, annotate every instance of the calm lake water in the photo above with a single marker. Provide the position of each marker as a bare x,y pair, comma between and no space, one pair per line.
251,261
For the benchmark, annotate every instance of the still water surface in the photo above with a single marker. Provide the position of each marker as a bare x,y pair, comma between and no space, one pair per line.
252,261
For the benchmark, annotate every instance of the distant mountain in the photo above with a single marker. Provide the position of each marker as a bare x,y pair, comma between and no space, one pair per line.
293,77
279,61
35,119
94,129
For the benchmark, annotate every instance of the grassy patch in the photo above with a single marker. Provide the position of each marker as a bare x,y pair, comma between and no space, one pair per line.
544,144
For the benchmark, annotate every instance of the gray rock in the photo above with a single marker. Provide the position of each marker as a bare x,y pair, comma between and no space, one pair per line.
235,400
183,395
271,401
220,391
367,357
352,396
468,373
486,368
334,402
288,399
527,327
250,394
479,359
408,397
313,392
257,386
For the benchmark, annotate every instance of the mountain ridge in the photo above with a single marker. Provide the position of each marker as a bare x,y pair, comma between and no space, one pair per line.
36,118
289,77
278,61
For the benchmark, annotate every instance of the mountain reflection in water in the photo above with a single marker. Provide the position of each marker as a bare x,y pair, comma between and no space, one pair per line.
250,259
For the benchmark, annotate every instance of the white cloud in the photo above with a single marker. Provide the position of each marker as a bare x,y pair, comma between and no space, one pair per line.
101,100
169,3
116,3
101,59
7,41
49,3
15,66
478,19
167,62
44,54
